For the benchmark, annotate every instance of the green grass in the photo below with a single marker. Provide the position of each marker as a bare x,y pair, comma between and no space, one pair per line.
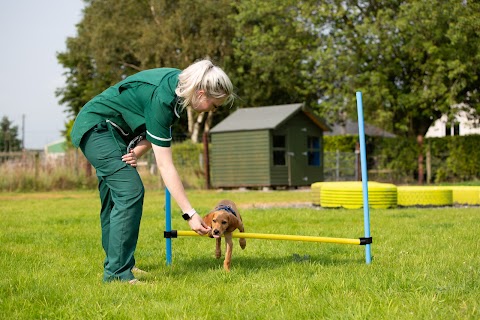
426,263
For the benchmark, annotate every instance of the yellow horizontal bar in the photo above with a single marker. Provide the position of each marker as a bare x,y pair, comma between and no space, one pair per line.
280,237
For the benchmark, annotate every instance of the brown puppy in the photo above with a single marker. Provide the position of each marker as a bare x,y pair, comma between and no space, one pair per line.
223,220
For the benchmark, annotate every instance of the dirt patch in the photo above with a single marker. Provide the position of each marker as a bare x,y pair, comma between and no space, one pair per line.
268,205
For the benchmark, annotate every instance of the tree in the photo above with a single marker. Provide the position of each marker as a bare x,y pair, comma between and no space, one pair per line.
9,141
413,60
272,49
118,38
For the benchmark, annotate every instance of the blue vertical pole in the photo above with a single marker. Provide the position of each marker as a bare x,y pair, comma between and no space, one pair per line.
168,222
363,159
168,226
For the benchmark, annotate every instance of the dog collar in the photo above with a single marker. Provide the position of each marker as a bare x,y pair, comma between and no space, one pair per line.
226,208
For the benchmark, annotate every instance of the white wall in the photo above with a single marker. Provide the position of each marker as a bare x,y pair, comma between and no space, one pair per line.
466,126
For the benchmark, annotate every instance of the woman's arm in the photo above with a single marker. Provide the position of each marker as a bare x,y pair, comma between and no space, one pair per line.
172,180
139,150
142,147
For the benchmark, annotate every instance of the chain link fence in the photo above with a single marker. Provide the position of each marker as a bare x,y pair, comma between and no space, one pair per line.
340,166
346,166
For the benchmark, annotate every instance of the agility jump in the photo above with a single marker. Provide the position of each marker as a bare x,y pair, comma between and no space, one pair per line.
268,236
366,241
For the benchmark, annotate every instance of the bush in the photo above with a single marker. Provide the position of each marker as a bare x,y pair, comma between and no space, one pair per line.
463,161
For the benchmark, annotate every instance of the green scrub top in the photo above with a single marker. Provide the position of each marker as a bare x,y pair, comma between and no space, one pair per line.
143,102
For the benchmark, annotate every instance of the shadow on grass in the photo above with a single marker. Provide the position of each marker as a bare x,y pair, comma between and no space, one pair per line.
248,264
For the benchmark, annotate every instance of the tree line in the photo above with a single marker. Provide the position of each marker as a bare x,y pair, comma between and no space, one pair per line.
413,60
9,141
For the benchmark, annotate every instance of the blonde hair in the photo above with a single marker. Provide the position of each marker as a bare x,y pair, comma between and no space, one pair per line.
203,75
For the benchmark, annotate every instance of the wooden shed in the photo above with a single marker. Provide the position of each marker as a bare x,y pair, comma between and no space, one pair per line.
275,146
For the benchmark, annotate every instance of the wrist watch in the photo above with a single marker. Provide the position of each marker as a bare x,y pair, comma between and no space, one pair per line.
189,214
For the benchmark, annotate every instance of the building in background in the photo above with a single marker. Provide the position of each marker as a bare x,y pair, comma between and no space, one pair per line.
462,125
55,150
274,146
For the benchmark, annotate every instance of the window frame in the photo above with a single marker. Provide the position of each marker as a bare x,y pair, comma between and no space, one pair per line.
314,154
276,150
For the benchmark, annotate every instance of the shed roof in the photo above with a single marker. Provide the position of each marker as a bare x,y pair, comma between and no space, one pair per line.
351,127
263,118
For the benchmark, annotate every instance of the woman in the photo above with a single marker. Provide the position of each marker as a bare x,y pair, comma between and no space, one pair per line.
144,104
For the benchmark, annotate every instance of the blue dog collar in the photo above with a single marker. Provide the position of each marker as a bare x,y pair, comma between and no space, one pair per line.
226,208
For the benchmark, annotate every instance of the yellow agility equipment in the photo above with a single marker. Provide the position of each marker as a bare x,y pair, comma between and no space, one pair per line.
361,241
424,196
349,194
464,195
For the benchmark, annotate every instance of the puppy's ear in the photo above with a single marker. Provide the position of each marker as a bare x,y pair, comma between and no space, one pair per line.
208,219
233,223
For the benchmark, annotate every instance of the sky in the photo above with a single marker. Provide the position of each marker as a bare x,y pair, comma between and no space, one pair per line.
31,34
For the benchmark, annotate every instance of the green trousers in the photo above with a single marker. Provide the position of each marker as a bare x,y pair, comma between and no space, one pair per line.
121,195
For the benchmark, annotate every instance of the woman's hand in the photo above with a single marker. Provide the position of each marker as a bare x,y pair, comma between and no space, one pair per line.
196,224
130,158
141,148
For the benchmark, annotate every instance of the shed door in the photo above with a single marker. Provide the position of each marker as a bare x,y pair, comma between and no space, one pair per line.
297,156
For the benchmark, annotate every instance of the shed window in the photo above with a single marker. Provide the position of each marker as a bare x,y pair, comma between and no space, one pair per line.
279,151
313,144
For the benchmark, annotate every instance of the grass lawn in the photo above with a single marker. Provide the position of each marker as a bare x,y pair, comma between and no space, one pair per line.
426,262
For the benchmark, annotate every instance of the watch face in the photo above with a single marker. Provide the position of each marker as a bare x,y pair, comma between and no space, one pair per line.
186,216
